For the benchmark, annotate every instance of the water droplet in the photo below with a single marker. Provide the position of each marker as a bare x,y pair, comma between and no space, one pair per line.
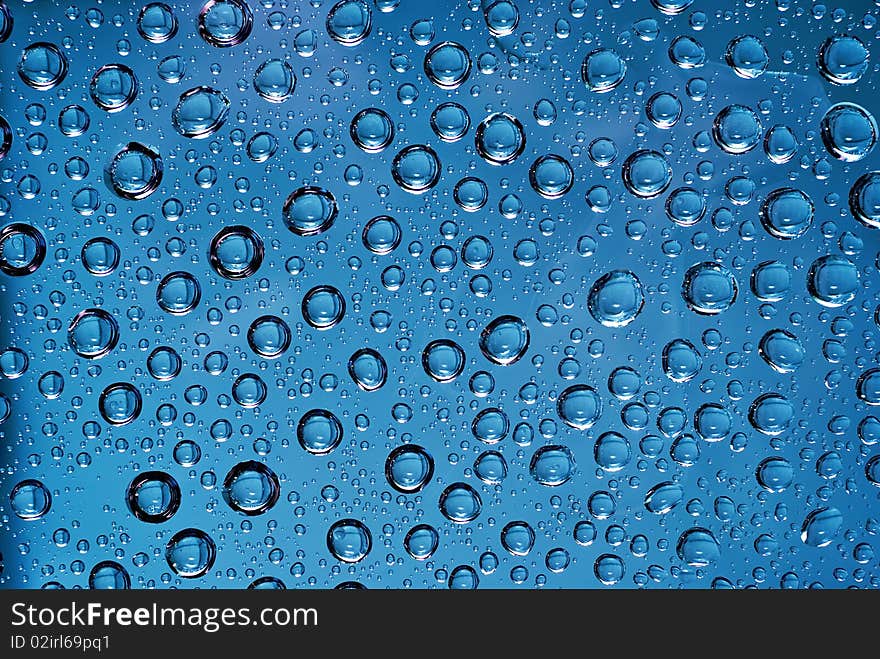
460,503
518,538
833,281
500,138
416,168
421,542
780,144
872,471
251,488
450,121
93,333
114,87
843,59
579,406
190,553
491,467
616,298
51,385
646,174
787,213
382,235
109,575
349,22
864,200
448,65
42,66
671,7
663,497
775,474
443,360
771,281
551,176
771,414
409,468
323,307
490,426
685,206
782,350
609,569
737,129
30,500
153,496
309,211
698,547
663,110
262,146
269,336
687,53
236,252
463,577
612,451
135,171
868,386
164,364
73,121
249,390
505,340
22,249
200,112
319,432
120,404
156,22
372,130
681,360
178,293
368,369
349,541
225,23
747,56
821,526
602,70
709,288
849,132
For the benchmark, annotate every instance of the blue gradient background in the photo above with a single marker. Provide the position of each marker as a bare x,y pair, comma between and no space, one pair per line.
90,501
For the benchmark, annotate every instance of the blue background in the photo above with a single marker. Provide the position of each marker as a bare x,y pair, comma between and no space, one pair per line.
44,439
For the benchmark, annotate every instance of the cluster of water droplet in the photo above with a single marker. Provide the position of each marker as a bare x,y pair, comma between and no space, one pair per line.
338,295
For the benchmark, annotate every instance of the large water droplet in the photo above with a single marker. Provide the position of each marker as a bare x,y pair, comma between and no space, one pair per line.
505,340
448,65
349,22
200,112
579,406
114,87
848,131
602,70
251,488
93,333
22,249
190,553
833,280
225,23
821,526
616,298
30,500
709,288
42,66
135,171
409,468
460,503
153,496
